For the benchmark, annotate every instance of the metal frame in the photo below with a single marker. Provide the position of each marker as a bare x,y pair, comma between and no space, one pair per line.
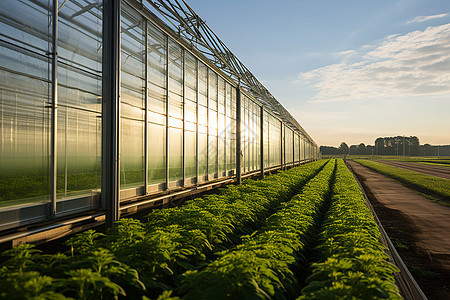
238,136
146,111
54,107
261,140
186,22
167,112
111,109
225,65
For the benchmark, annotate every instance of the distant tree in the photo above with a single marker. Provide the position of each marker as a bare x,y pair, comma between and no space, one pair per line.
344,148
329,150
379,146
353,150
362,149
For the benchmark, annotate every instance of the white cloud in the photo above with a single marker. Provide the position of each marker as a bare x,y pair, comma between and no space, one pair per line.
417,63
421,19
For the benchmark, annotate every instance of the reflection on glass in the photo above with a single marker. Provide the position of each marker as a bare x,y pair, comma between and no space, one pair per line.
175,154
191,161
132,98
156,105
156,153
79,152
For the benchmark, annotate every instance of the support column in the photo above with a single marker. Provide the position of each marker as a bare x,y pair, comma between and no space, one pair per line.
238,136
146,112
261,140
54,109
111,110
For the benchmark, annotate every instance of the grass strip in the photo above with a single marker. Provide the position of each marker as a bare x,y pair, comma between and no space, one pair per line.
427,184
136,258
353,263
261,267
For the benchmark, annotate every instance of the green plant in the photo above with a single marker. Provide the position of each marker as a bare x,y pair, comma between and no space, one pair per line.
353,264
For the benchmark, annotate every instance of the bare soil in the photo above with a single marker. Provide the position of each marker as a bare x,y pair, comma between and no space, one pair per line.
418,227
437,171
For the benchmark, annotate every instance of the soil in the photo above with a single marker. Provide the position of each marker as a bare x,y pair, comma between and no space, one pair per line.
418,227
443,172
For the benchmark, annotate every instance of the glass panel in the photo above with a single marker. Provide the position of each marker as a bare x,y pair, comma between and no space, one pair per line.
156,153
202,154
79,86
157,51
175,80
191,161
132,98
266,140
175,154
24,95
79,152
202,83
131,153
190,76
212,154
221,100
221,145
80,55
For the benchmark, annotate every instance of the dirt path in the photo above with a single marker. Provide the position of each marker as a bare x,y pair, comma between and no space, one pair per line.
419,226
437,171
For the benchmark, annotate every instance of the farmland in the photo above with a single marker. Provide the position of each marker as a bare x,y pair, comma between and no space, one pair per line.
416,225
253,240
439,188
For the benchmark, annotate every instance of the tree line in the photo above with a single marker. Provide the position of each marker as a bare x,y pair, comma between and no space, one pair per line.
398,145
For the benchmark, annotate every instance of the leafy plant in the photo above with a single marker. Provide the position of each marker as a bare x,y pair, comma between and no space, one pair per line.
353,264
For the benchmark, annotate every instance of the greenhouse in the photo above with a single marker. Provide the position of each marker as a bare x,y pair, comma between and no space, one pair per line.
112,106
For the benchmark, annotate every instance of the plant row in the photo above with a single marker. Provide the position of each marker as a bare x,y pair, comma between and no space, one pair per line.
136,258
432,185
261,267
353,263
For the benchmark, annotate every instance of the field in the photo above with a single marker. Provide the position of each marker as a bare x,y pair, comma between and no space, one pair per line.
431,186
255,240
417,226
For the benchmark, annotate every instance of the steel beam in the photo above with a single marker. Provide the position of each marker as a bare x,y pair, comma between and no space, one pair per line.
146,110
261,139
167,113
54,111
111,110
238,136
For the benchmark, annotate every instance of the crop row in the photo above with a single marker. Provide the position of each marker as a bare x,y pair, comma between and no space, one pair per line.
135,257
260,267
432,185
353,264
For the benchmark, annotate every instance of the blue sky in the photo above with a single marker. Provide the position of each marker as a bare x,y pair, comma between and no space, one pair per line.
346,70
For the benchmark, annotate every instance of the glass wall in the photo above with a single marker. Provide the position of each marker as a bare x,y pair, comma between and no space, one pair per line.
156,61
175,111
79,98
25,100
274,141
297,147
213,124
250,134
230,142
221,125
266,132
24,97
132,98
190,73
289,156
202,121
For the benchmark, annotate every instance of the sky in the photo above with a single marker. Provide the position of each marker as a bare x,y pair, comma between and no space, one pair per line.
349,70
